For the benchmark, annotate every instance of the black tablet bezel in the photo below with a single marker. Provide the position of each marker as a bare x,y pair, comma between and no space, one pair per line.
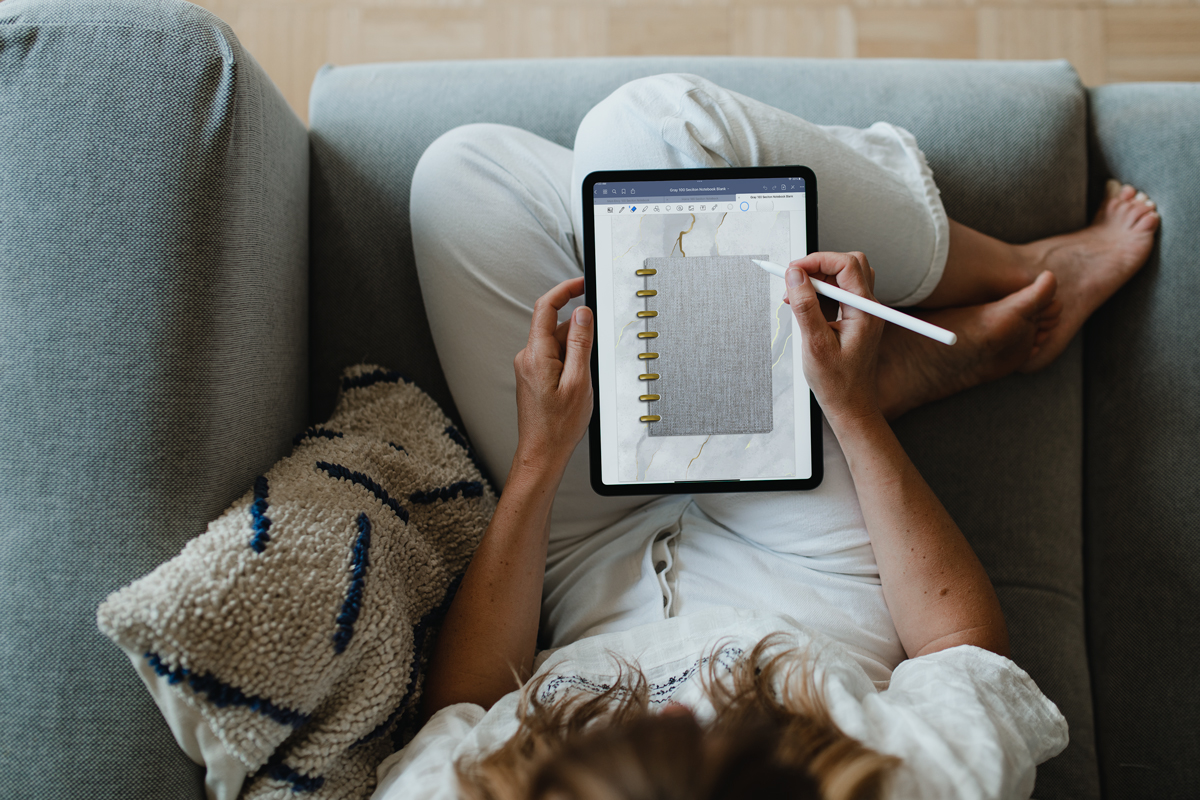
589,259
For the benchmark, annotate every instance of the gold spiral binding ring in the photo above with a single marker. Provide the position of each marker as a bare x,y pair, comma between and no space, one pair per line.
647,313
648,376
651,418
646,398
647,292
647,334
647,272
647,356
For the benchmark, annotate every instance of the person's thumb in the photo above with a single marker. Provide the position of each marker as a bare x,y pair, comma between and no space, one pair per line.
577,366
803,299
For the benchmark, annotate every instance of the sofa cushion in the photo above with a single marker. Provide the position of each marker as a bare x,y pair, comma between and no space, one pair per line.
1143,467
291,634
1007,145
153,254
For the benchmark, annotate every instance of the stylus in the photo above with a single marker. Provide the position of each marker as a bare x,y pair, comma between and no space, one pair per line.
870,306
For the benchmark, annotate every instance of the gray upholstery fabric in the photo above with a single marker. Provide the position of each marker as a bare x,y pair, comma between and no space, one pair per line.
1143,465
1007,145
153,297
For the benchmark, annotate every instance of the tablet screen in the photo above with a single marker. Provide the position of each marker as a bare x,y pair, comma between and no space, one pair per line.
700,378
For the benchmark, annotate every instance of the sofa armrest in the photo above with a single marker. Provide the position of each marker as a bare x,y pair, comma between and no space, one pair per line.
153,351
1142,428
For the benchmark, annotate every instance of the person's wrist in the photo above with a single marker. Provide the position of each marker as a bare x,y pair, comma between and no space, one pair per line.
850,419
539,463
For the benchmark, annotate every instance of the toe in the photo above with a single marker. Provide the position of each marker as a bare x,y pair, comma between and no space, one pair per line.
1049,317
1127,193
1044,287
1148,222
1135,211
1034,299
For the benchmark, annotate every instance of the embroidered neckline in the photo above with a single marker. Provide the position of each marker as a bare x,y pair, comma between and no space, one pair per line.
661,692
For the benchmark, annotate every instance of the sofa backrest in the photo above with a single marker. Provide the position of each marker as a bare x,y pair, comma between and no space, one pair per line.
1007,144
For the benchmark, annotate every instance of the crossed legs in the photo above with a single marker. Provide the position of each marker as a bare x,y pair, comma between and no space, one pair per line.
497,251
1014,307
1040,295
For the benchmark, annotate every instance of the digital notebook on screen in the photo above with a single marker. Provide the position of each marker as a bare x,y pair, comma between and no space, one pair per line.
697,377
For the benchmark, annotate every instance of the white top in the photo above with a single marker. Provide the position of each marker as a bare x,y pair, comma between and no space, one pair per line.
806,555
967,723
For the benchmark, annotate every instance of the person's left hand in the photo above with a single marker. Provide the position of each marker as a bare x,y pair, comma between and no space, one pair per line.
554,381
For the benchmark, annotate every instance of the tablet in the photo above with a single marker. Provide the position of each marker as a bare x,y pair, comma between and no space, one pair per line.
696,374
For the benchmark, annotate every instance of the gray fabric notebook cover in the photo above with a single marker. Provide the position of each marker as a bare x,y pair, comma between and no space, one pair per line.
714,346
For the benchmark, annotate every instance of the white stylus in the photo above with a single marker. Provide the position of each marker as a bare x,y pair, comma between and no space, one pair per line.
870,306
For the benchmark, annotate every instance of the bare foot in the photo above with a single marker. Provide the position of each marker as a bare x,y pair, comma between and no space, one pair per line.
994,340
1093,263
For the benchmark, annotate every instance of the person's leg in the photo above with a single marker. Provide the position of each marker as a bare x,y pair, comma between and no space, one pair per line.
994,339
492,233
980,268
875,190
921,257
1029,327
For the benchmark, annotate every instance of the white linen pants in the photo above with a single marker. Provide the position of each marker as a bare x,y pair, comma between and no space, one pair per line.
497,221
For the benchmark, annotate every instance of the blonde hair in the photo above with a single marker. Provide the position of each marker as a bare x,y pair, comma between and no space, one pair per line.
611,746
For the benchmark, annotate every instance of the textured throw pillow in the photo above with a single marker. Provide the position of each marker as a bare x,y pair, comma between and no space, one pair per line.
285,644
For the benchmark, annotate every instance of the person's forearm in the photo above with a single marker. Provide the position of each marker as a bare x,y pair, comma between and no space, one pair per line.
491,628
936,589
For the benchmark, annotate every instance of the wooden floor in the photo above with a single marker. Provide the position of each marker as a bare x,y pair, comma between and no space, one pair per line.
1107,40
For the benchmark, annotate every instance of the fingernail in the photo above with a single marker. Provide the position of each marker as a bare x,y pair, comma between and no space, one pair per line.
794,277
581,315
1113,187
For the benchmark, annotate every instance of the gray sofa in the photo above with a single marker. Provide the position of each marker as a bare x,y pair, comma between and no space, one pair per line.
184,270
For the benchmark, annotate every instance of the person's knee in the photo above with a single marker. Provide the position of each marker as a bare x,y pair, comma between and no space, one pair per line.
638,104
632,128
454,157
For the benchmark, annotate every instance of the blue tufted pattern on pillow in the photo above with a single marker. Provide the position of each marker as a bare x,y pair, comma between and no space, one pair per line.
301,649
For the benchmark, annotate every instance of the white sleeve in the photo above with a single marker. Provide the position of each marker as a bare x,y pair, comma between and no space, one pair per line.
424,768
968,724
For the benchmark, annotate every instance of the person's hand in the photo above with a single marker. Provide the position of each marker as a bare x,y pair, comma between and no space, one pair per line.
839,357
554,381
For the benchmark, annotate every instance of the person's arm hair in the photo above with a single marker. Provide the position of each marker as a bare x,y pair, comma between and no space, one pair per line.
489,637
936,590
